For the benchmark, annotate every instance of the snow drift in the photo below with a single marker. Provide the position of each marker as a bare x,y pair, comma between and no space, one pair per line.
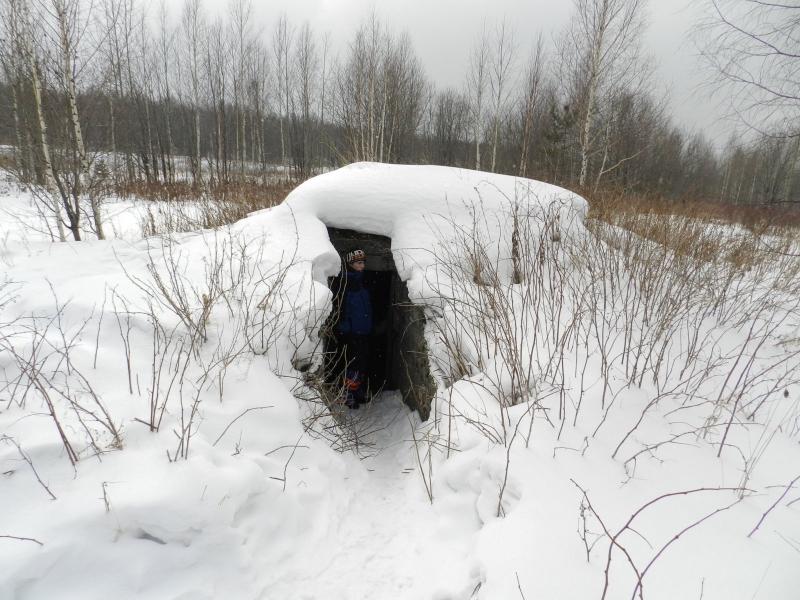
613,418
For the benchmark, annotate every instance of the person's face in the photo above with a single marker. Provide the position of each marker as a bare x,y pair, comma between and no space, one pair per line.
358,265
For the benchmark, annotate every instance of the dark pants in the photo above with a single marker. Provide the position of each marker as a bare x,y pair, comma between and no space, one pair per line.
356,356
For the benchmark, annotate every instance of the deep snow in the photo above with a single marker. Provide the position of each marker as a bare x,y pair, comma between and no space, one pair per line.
261,507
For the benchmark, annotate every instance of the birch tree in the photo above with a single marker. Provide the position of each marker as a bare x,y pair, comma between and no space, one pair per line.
216,64
55,193
111,22
325,70
166,49
477,81
500,71
71,25
241,46
306,67
258,79
281,48
192,28
357,88
381,92
602,45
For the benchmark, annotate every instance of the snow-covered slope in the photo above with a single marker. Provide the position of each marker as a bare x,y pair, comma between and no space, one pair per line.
582,377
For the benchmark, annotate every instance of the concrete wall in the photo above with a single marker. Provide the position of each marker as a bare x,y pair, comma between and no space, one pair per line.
410,358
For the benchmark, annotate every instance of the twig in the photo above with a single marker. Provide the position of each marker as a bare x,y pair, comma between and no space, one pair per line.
22,539
99,324
28,460
769,510
675,538
224,431
282,447
519,586
794,544
295,446
425,480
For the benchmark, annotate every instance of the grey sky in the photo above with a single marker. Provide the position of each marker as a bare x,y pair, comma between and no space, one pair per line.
443,32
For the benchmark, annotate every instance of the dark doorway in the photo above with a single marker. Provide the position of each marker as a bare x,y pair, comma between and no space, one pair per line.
398,356
379,373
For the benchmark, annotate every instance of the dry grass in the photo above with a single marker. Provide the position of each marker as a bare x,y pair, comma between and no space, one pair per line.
179,207
757,218
250,196
703,230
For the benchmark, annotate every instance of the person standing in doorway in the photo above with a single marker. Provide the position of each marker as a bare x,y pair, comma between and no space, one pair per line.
354,328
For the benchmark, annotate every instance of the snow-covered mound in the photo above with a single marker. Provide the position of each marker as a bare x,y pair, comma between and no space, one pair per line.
612,420
418,207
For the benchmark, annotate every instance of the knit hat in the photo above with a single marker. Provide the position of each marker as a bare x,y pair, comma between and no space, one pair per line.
355,255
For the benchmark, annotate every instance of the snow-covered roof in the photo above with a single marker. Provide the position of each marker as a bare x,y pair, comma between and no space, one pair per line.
414,205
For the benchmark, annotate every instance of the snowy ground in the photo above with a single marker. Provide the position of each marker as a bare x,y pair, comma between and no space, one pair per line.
239,493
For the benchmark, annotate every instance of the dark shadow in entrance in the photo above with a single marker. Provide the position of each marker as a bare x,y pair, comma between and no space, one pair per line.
398,357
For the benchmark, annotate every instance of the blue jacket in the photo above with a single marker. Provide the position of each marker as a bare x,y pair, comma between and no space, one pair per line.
356,316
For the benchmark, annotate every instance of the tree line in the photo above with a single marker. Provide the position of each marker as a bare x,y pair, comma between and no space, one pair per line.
103,92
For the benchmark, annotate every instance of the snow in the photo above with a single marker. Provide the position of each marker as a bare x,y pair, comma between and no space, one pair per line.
415,206
241,494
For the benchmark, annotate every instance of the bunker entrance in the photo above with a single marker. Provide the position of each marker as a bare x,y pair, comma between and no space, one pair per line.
396,352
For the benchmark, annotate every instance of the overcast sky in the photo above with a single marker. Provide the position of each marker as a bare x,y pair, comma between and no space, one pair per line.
443,32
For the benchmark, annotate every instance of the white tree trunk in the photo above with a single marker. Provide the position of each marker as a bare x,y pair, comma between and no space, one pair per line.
68,80
26,43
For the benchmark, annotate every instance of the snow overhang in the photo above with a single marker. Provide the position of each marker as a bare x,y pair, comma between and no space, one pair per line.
415,206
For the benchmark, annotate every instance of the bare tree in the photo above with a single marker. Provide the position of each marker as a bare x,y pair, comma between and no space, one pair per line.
325,73
602,49
500,71
306,66
112,23
358,84
12,62
164,74
54,190
241,46
281,48
477,80
449,128
68,19
381,92
193,26
217,61
754,49
531,99
257,85
231,100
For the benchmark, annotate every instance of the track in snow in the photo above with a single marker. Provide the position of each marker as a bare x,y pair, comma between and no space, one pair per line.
389,542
